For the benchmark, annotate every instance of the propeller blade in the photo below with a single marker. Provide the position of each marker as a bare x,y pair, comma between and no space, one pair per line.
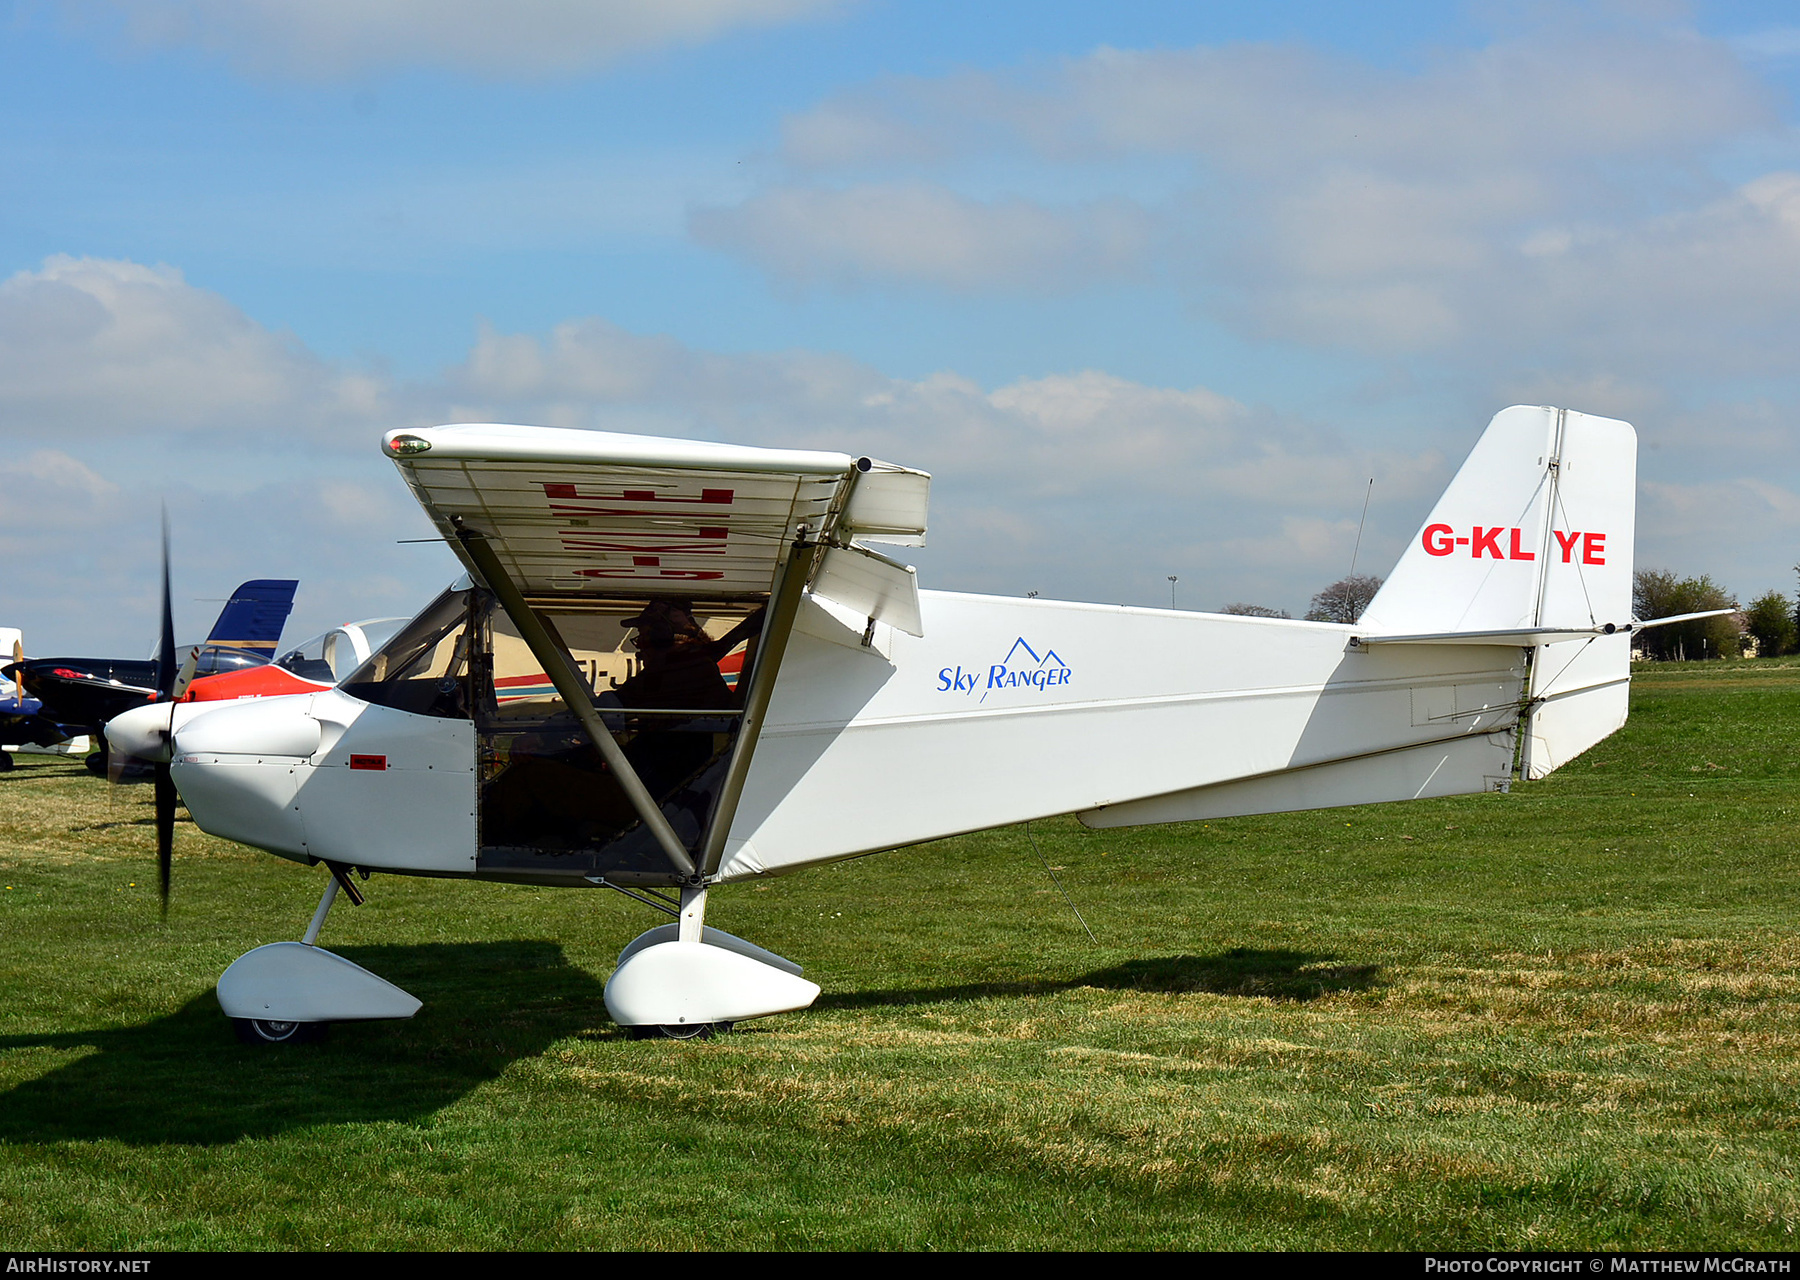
166,678
166,801
166,661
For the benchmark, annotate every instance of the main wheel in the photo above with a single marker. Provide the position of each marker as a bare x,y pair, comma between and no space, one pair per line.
679,1031
6,761
268,1031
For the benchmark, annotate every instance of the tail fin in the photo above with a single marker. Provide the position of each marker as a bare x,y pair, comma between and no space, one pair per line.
254,616
1534,534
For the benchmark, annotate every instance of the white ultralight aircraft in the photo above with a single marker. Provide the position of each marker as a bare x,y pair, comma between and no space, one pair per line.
511,733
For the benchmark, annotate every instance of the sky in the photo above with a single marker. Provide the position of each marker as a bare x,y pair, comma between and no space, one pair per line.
1154,290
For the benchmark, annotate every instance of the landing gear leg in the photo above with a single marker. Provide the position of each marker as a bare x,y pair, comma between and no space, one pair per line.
318,921
693,915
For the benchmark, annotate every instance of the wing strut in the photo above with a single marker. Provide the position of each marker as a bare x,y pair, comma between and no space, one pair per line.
575,694
769,647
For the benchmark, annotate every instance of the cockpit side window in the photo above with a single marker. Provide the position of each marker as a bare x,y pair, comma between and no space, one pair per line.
425,668
549,805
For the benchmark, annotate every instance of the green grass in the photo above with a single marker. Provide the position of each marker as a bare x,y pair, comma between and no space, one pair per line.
1564,1018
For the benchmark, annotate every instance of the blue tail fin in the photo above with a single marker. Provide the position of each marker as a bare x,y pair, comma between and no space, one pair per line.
254,616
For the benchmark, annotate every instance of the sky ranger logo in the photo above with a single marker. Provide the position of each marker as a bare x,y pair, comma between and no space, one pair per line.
1047,671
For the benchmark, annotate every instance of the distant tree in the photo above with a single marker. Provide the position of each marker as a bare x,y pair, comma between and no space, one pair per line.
1344,600
1255,611
1770,618
1657,593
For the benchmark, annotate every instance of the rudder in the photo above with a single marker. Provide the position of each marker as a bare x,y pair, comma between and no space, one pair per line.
1535,531
254,616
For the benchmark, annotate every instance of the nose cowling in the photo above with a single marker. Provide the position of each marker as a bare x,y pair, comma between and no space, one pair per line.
239,767
254,727
144,732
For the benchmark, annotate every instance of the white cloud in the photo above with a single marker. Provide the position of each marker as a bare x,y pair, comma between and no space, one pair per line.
123,387
112,348
1722,528
1542,201
1556,93
1771,42
913,232
331,39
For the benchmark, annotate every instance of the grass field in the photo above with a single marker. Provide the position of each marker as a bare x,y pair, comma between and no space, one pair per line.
1564,1018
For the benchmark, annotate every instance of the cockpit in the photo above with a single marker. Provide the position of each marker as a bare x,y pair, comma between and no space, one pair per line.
667,676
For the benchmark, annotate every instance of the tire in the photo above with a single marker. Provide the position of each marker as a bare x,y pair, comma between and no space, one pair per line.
6,761
267,1031
679,1031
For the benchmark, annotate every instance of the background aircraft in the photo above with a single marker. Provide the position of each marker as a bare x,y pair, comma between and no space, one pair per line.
83,694
311,666
22,723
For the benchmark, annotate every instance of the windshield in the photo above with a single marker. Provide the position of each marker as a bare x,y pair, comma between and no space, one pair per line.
211,659
308,660
424,669
328,658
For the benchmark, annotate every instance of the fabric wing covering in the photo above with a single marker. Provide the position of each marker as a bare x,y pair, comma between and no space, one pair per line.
595,513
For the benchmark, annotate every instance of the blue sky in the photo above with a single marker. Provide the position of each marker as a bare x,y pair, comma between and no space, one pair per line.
1153,289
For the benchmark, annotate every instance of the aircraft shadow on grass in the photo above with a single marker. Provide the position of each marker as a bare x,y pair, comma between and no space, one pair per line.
1277,974
44,773
185,1079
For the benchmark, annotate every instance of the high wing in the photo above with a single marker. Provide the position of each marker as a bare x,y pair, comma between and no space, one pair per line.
589,513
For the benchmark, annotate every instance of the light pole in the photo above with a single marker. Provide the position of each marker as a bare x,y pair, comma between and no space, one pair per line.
1172,581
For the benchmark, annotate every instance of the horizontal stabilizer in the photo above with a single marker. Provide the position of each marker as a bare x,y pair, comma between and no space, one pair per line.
1680,617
